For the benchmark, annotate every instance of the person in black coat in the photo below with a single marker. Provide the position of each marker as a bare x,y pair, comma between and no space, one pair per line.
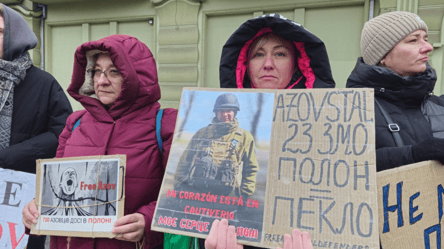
308,52
394,59
271,52
33,106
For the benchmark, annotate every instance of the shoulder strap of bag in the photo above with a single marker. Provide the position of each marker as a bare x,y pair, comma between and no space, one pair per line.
393,127
76,124
158,128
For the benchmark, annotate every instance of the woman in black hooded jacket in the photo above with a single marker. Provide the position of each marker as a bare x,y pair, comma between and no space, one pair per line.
395,53
312,65
248,44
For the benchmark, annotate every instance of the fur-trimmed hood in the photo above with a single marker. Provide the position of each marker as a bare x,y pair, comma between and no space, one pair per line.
312,60
135,63
87,87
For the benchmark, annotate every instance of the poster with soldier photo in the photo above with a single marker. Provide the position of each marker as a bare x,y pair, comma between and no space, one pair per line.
271,161
218,162
79,196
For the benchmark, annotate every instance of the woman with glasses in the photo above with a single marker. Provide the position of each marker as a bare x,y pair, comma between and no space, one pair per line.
115,79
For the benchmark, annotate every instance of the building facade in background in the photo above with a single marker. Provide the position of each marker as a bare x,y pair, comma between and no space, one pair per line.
186,36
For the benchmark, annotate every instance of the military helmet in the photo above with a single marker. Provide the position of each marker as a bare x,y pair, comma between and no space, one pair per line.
226,101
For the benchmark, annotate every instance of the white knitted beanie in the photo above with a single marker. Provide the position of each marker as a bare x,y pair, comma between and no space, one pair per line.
382,33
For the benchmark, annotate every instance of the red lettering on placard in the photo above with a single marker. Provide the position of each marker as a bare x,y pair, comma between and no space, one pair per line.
14,241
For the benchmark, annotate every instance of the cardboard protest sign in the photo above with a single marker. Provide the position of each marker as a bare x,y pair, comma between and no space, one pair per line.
315,169
80,196
16,190
411,206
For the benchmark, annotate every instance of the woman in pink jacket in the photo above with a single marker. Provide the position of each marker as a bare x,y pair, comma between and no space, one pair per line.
115,79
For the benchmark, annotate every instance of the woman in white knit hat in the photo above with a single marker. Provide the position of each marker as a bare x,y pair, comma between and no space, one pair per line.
394,59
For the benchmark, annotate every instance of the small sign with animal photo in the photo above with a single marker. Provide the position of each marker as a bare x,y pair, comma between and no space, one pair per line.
79,196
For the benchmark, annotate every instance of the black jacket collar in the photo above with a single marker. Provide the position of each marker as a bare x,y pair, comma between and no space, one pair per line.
288,29
390,85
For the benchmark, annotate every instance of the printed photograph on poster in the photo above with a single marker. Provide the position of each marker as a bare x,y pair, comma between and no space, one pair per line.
218,161
82,196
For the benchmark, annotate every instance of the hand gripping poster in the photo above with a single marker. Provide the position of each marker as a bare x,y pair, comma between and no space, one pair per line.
271,161
16,190
79,196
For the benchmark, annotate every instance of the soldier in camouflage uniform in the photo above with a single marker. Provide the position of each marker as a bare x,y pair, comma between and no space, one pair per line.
221,157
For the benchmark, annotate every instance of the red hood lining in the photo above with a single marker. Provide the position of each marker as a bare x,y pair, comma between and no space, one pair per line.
303,62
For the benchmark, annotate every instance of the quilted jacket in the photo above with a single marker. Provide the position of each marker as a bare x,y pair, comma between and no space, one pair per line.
127,127
409,102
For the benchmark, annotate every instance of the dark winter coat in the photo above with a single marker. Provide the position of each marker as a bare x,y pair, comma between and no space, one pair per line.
402,98
39,109
128,127
314,67
39,112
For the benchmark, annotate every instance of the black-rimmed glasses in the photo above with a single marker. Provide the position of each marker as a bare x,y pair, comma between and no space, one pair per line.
109,73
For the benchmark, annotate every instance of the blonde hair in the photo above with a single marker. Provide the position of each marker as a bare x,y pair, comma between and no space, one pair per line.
261,40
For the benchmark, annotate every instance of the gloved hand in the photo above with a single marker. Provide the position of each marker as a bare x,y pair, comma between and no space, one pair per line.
429,149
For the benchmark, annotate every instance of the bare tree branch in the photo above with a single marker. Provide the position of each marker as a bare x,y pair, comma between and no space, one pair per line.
187,113
257,115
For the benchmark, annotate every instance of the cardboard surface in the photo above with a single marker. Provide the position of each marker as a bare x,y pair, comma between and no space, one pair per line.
410,206
16,190
80,196
317,169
